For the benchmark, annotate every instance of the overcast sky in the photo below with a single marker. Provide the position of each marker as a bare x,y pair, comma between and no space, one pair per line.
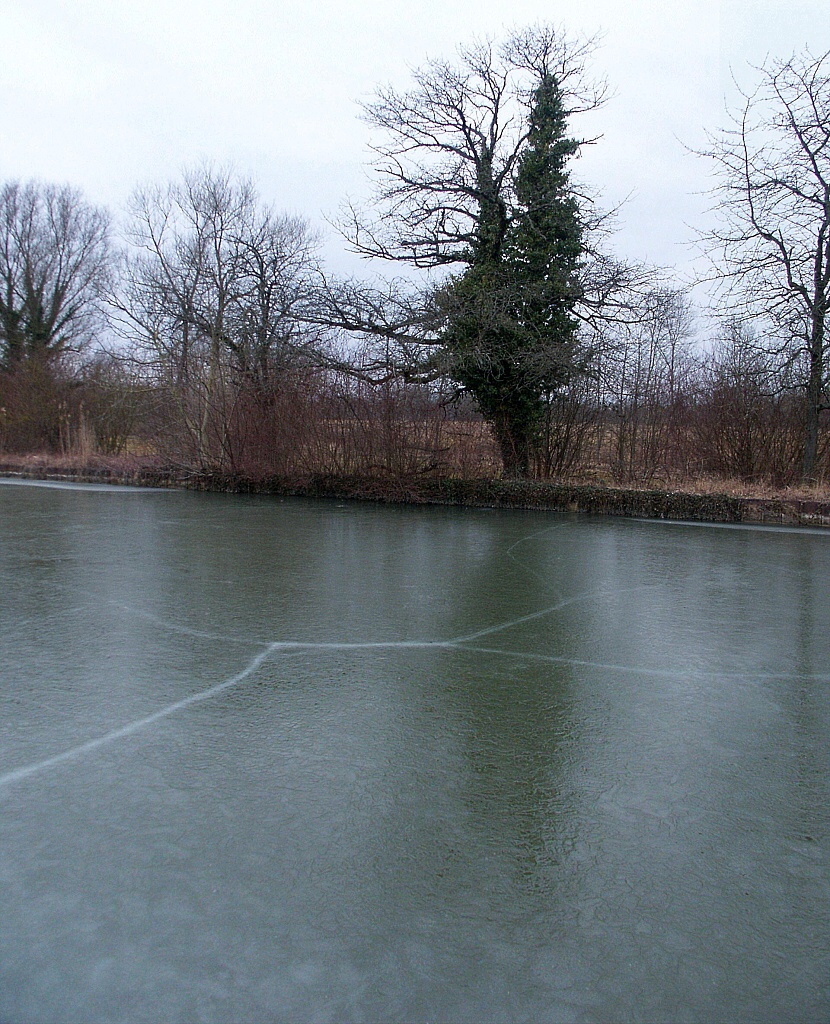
106,95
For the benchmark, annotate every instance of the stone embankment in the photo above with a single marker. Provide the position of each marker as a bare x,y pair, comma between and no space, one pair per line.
524,494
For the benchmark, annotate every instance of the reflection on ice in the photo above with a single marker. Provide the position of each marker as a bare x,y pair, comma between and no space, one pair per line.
812,531
73,485
131,728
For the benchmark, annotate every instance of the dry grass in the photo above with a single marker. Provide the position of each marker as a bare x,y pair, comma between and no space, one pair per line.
78,462
756,489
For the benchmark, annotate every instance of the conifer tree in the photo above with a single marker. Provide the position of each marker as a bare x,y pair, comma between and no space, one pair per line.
511,336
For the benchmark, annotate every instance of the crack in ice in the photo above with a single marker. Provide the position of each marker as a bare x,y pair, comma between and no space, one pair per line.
661,673
459,643
18,774
500,627
184,630
132,727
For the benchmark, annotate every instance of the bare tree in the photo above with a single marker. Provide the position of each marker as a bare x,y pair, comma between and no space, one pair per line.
747,420
643,377
771,250
211,285
54,266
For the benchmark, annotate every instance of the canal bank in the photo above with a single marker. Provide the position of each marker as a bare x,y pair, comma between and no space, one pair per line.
651,503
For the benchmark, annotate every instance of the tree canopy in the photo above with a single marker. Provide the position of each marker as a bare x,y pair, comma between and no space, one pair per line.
473,181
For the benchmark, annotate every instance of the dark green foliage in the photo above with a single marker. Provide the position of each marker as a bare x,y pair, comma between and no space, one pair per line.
545,246
511,336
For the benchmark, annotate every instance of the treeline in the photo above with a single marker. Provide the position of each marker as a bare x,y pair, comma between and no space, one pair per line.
211,337
650,412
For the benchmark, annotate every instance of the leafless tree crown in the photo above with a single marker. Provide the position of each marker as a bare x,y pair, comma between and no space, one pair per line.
211,271
771,248
448,146
54,266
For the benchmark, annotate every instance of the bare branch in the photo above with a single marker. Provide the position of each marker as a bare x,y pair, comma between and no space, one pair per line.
770,252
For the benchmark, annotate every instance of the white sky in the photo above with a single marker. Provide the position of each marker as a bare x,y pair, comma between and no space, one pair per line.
106,95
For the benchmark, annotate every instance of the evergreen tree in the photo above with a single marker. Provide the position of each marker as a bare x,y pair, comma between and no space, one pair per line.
511,336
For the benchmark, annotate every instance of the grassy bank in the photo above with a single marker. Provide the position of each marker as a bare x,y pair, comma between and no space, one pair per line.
703,503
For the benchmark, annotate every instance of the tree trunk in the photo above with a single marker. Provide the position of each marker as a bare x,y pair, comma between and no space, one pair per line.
514,446
814,398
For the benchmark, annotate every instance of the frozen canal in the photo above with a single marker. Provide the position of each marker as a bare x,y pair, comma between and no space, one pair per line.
266,760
